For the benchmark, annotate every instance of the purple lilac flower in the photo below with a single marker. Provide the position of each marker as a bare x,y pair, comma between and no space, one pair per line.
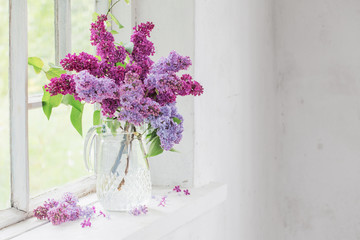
87,212
172,63
70,199
135,108
135,212
143,209
92,89
186,191
168,130
177,189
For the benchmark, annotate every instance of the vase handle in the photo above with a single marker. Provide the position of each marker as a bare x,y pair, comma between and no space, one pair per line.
89,140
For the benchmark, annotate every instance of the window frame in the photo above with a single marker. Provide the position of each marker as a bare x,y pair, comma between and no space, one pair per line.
20,103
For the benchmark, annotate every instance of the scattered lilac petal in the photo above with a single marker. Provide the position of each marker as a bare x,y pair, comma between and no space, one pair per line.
177,189
186,191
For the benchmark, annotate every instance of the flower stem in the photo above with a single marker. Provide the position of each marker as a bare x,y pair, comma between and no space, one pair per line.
112,7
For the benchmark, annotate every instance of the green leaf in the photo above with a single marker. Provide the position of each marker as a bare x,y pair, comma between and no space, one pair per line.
110,3
175,119
155,148
37,64
46,106
76,119
114,32
55,100
96,117
70,100
157,91
129,47
94,16
116,21
121,64
127,1
151,136
54,72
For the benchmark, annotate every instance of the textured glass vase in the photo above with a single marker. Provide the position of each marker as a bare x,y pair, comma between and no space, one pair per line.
121,166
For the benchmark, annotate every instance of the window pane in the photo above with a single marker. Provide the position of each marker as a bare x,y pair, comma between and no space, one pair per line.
55,148
41,37
81,17
4,107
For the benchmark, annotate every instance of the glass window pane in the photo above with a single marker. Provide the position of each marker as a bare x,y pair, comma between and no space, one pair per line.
4,107
81,18
55,148
41,39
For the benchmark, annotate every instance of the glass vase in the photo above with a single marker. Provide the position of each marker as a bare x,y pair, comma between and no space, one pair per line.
120,164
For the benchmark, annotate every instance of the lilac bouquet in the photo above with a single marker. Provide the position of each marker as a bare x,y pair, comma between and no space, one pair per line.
126,84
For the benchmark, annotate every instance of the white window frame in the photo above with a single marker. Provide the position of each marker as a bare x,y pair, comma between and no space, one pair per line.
21,103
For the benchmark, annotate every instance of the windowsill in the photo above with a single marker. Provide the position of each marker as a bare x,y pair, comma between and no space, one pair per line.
158,222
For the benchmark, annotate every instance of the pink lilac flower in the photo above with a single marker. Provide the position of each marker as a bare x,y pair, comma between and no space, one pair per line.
61,85
162,203
189,87
101,213
177,189
41,212
92,89
104,42
83,61
143,48
86,223
186,191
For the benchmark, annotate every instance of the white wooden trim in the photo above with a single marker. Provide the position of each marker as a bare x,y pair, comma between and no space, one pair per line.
134,19
11,216
159,222
18,104
35,101
62,22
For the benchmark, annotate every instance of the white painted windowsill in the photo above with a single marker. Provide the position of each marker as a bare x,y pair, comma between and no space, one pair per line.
159,221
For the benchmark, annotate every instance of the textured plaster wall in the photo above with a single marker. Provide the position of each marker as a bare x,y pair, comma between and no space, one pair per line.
318,75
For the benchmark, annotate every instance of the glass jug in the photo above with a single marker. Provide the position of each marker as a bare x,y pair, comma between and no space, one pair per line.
120,164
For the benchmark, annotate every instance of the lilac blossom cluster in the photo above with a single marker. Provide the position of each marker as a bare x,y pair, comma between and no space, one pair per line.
137,90
57,212
168,130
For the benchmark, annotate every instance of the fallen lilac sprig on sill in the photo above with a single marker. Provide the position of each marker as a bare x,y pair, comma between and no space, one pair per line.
65,210
139,210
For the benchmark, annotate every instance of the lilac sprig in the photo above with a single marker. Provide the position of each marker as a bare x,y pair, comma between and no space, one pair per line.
143,209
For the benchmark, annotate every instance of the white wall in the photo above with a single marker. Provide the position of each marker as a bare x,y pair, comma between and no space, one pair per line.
234,120
318,74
